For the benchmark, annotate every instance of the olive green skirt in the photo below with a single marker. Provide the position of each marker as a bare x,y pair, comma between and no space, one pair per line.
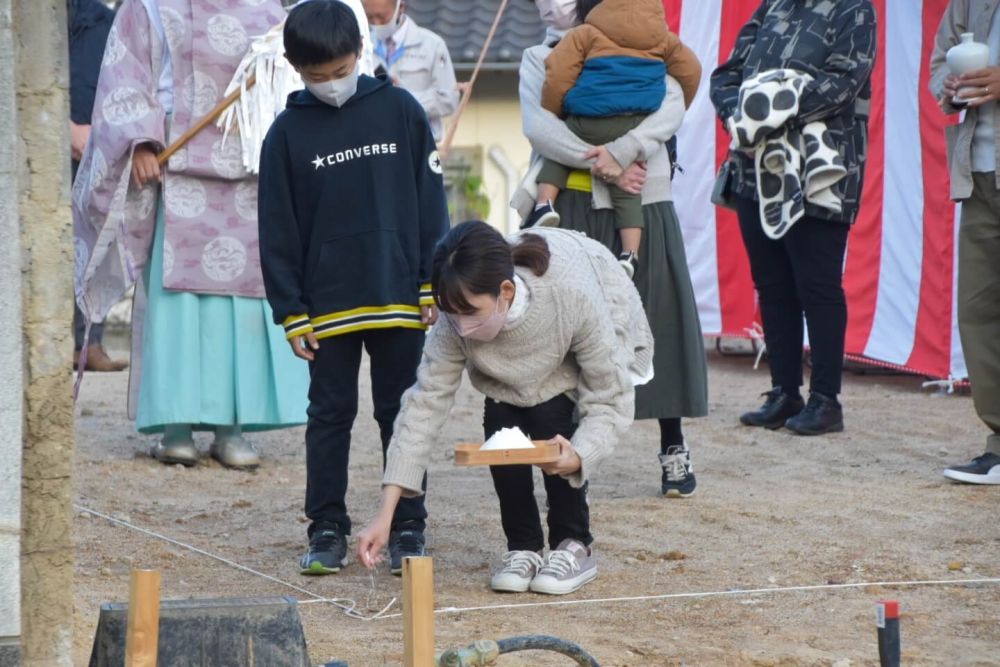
680,386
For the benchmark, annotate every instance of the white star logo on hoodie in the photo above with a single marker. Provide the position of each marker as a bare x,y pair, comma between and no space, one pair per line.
319,162
434,162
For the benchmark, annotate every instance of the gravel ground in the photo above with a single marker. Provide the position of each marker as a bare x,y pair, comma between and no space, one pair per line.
772,511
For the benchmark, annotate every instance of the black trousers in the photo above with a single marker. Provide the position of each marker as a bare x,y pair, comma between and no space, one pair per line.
569,515
333,405
800,273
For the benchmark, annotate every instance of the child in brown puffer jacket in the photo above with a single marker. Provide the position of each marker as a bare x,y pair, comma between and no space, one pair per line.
605,76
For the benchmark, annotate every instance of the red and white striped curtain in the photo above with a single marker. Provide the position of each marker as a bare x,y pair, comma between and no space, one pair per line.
900,270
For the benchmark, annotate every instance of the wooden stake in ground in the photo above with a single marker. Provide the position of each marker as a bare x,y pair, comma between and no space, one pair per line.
418,612
143,629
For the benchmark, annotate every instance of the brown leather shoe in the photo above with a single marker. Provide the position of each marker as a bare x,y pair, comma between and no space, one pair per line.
98,361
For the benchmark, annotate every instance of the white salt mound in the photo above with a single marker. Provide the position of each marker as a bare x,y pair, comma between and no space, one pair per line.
508,438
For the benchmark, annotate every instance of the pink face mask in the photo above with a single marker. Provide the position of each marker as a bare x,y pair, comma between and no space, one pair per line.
483,329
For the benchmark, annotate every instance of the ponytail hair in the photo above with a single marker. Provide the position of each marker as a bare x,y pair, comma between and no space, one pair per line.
474,258
532,252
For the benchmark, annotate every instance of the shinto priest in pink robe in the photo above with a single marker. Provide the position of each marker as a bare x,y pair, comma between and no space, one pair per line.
205,352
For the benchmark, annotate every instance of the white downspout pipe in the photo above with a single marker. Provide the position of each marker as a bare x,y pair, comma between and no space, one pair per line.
510,179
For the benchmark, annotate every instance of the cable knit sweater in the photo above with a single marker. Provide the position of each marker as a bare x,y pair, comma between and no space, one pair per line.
584,333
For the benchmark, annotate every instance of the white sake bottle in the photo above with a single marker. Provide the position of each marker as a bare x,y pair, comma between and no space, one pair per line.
966,56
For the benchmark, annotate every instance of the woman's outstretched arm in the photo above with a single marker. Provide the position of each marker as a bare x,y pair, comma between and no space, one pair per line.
425,407
375,536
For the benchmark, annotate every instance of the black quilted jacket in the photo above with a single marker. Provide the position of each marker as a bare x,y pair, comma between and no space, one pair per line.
832,40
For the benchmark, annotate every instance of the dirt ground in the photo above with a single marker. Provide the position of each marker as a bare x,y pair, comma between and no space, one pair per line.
772,510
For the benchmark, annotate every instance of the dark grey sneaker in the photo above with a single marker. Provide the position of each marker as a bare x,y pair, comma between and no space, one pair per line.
327,550
983,469
541,216
821,415
405,544
778,407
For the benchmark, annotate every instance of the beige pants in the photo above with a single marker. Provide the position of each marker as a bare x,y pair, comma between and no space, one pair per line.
979,299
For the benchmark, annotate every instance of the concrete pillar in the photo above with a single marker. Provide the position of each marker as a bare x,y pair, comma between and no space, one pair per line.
11,359
47,309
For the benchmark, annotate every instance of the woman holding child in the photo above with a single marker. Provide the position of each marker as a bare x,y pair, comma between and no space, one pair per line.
636,162
552,331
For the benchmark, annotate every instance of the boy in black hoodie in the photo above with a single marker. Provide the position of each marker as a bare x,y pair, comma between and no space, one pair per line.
351,206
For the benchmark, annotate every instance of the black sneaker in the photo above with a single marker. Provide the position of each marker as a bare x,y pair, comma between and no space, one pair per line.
404,544
822,414
984,469
777,408
629,262
327,550
678,474
542,216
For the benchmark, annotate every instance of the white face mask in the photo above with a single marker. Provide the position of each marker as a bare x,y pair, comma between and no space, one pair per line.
336,92
558,14
384,32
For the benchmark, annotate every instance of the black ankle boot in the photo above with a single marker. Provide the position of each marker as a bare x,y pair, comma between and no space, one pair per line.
822,414
777,408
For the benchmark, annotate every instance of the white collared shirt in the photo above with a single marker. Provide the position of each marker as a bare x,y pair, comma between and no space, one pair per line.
519,305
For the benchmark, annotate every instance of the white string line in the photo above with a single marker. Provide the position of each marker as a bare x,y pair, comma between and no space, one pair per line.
346,605
707,594
349,610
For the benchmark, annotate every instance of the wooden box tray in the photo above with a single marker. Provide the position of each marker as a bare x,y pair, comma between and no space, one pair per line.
472,455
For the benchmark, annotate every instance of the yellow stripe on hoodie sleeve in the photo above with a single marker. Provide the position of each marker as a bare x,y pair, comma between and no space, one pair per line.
426,295
297,325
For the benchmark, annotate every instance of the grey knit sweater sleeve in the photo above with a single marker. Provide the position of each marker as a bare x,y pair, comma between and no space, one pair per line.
548,135
424,409
606,398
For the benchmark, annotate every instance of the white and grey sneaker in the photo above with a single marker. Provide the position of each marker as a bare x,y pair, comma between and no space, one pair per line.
566,569
519,568
677,480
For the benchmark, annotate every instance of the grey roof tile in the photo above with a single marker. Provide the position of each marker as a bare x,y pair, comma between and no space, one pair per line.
464,25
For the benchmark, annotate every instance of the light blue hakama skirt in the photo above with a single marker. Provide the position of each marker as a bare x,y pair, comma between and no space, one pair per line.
214,360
